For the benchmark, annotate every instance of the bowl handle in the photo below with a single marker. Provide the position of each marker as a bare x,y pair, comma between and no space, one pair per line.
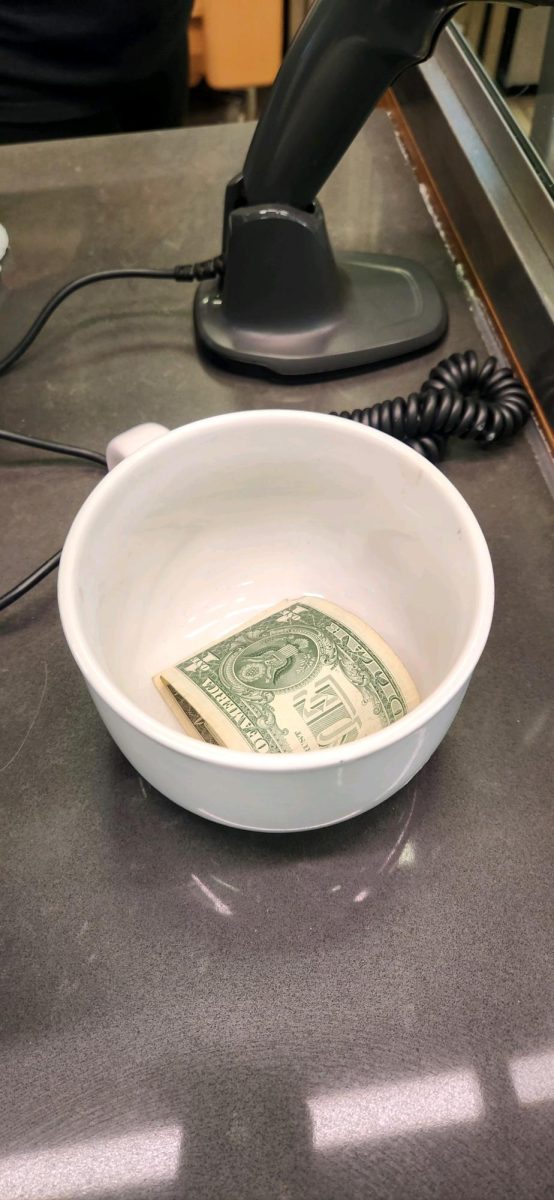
133,439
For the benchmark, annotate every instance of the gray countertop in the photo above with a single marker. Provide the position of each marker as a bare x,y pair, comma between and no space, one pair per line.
192,1011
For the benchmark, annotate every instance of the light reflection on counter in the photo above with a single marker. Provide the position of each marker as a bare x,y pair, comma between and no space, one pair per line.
533,1077
96,1167
363,1114
219,905
406,857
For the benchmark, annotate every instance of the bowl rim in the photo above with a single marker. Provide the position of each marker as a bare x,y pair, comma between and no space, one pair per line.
175,740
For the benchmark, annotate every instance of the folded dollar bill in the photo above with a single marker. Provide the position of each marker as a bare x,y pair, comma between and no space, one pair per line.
303,675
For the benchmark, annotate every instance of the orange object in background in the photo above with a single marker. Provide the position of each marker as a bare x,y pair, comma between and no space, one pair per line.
236,44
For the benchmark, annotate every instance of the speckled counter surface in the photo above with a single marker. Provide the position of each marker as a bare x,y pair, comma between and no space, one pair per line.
192,1011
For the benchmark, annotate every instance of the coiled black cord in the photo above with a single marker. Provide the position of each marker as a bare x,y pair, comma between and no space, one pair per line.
182,273
458,399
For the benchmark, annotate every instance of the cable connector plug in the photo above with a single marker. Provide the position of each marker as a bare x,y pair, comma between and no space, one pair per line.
210,269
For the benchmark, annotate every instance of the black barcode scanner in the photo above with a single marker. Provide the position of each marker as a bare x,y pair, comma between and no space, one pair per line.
285,301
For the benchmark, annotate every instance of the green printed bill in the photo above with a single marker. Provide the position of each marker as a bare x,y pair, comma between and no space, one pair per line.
303,676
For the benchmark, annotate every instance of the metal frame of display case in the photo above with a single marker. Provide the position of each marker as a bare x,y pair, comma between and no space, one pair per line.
497,198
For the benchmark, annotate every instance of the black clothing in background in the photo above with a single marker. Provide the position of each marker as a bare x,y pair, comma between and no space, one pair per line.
69,68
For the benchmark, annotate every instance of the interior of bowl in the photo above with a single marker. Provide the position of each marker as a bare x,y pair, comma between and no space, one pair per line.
219,520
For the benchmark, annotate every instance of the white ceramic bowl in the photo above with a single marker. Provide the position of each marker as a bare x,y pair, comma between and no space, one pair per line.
220,519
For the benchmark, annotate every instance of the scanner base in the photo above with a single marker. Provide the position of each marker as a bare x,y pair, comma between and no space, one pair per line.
286,304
